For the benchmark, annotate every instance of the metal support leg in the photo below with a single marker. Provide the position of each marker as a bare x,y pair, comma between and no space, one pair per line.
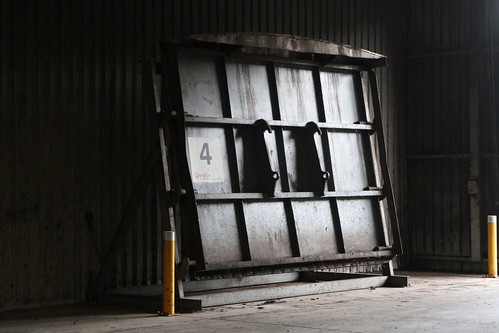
387,268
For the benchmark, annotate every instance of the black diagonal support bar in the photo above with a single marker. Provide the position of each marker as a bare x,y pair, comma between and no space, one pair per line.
126,222
387,187
146,177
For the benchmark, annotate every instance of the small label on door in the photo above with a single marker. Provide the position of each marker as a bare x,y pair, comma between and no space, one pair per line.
206,160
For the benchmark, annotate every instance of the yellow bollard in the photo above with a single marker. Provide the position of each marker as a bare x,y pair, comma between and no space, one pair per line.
492,238
168,273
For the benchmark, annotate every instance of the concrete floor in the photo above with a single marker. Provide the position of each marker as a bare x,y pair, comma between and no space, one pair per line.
435,302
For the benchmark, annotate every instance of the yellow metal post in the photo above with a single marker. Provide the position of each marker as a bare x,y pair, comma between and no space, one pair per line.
492,238
168,272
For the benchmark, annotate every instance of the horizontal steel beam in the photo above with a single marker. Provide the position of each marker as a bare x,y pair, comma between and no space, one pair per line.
289,195
193,120
323,260
205,285
278,287
293,289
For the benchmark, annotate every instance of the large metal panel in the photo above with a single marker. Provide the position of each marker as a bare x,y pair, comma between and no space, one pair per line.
74,134
271,144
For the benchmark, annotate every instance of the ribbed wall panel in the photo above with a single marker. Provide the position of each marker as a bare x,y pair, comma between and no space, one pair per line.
73,131
449,82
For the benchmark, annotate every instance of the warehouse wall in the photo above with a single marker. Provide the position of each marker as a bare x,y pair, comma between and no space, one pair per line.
451,128
74,136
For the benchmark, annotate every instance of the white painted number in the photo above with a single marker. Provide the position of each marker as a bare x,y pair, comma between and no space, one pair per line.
205,153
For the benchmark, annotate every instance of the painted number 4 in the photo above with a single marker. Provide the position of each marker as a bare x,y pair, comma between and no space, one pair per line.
205,153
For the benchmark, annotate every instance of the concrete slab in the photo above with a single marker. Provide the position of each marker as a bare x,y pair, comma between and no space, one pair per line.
435,302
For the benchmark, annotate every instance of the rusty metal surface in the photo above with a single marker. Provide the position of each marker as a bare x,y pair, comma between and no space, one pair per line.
273,44
276,156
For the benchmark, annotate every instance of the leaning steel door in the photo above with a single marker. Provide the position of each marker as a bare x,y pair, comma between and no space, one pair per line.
278,149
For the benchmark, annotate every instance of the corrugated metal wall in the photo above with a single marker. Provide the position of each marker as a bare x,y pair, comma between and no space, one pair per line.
73,135
450,130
